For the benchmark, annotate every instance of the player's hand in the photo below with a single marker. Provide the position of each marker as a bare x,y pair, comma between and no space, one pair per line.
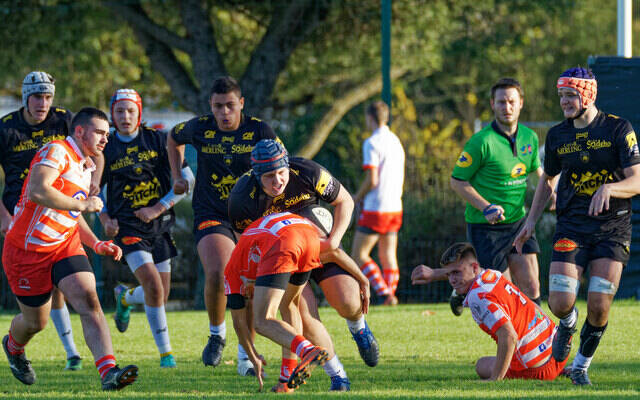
552,201
180,186
5,223
148,214
108,248
421,275
365,295
257,367
493,214
94,189
92,204
600,200
110,225
525,233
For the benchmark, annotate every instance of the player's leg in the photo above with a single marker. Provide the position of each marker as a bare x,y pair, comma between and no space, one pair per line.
524,268
62,321
564,283
387,252
214,251
245,367
363,243
603,283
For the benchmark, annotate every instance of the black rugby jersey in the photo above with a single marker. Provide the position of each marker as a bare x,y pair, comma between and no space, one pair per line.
222,158
137,175
19,143
588,158
308,184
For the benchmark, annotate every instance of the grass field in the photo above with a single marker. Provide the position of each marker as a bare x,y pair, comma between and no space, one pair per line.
423,356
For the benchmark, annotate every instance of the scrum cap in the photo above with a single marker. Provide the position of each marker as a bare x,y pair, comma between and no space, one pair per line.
583,81
268,155
126,94
37,82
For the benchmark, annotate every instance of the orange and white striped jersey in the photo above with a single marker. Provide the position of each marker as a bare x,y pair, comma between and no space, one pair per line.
494,301
41,229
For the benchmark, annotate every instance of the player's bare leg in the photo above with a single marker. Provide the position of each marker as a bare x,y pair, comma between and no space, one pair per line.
525,271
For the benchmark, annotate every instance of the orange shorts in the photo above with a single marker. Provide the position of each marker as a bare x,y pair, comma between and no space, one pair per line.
29,272
546,372
381,222
295,251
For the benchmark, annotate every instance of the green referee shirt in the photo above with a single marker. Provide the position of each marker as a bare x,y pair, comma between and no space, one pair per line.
497,167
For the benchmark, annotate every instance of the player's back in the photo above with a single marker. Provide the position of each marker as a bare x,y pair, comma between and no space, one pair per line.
384,151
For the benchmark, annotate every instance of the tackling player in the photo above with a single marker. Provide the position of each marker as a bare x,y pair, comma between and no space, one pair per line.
596,158
22,133
43,249
223,141
277,184
139,214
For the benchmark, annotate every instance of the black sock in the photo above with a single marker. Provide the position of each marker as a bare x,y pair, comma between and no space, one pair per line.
590,338
537,300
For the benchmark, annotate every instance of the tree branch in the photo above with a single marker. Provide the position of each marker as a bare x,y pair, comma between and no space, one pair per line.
339,109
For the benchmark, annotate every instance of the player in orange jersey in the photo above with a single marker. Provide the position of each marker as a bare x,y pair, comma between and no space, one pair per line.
524,334
43,248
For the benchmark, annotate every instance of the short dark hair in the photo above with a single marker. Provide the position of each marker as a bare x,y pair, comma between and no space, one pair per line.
505,83
457,252
379,111
225,84
84,116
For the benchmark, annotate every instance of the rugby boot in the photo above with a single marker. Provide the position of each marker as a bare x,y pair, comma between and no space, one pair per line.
561,346
313,358
116,378
281,387
580,377
456,302
367,345
212,353
167,361
20,366
74,363
339,384
123,313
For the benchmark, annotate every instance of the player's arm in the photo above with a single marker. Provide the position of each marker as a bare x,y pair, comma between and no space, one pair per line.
624,189
175,153
341,258
148,214
5,219
239,317
552,200
341,218
422,275
507,340
492,212
371,180
40,190
544,189
103,248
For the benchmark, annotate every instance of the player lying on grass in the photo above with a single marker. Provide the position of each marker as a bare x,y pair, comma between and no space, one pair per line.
524,334
271,265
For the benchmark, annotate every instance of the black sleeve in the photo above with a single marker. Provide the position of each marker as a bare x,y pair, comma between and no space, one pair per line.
243,203
325,185
235,301
266,132
627,145
552,165
183,132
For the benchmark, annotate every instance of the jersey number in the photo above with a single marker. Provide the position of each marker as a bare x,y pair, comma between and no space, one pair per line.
511,290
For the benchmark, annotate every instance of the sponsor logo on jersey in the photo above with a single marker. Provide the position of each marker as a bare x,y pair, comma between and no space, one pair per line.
55,136
25,145
224,185
518,170
253,193
39,133
121,163
203,119
489,276
209,134
142,193
597,144
61,110
324,183
79,195
208,224
8,117
565,245
129,240
241,148
213,149
297,199
569,148
632,143
465,160
132,149
228,139
589,182
247,136
179,128
584,157
582,135
526,149
242,225
23,283
147,155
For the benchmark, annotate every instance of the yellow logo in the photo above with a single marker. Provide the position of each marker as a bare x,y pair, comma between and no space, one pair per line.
209,134
582,135
8,117
631,140
203,119
589,182
142,193
38,133
133,149
228,139
464,160
179,128
323,182
224,186
519,170
61,110
247,136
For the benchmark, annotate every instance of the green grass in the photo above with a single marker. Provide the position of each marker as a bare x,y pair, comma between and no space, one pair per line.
422,357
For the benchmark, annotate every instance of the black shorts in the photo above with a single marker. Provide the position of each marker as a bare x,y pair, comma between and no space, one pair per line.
281,281
203,226
580,248
60,270
327,271
161,246
494,243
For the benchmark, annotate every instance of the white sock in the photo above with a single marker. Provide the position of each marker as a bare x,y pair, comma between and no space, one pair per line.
220,330
571,319
134,296
158,323
581,362
334,367
356,326
242,354
62,322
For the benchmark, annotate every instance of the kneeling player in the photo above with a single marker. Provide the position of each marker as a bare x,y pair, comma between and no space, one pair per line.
524,334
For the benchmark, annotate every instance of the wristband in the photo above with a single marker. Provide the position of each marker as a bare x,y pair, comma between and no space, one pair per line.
487,210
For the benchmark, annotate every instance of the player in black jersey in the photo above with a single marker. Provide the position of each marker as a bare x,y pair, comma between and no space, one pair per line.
596,158
223,141
276,184
139,214
22,133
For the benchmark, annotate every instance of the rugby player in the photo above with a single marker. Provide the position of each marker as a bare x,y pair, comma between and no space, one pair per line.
596,159
139,214
223,141
43,248
277,184
22,133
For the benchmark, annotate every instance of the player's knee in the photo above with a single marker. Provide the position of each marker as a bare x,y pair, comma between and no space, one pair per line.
35,325
350,308
154,292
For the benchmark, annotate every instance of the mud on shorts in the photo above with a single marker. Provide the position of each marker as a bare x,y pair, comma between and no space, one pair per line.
203,226
580,248
494,243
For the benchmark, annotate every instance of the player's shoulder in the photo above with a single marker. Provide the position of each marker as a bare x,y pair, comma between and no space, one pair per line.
195,124
61,113
10,120
615,122
245,184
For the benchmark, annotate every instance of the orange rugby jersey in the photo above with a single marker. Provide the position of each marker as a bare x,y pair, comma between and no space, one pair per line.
494,300
41,229
262,241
